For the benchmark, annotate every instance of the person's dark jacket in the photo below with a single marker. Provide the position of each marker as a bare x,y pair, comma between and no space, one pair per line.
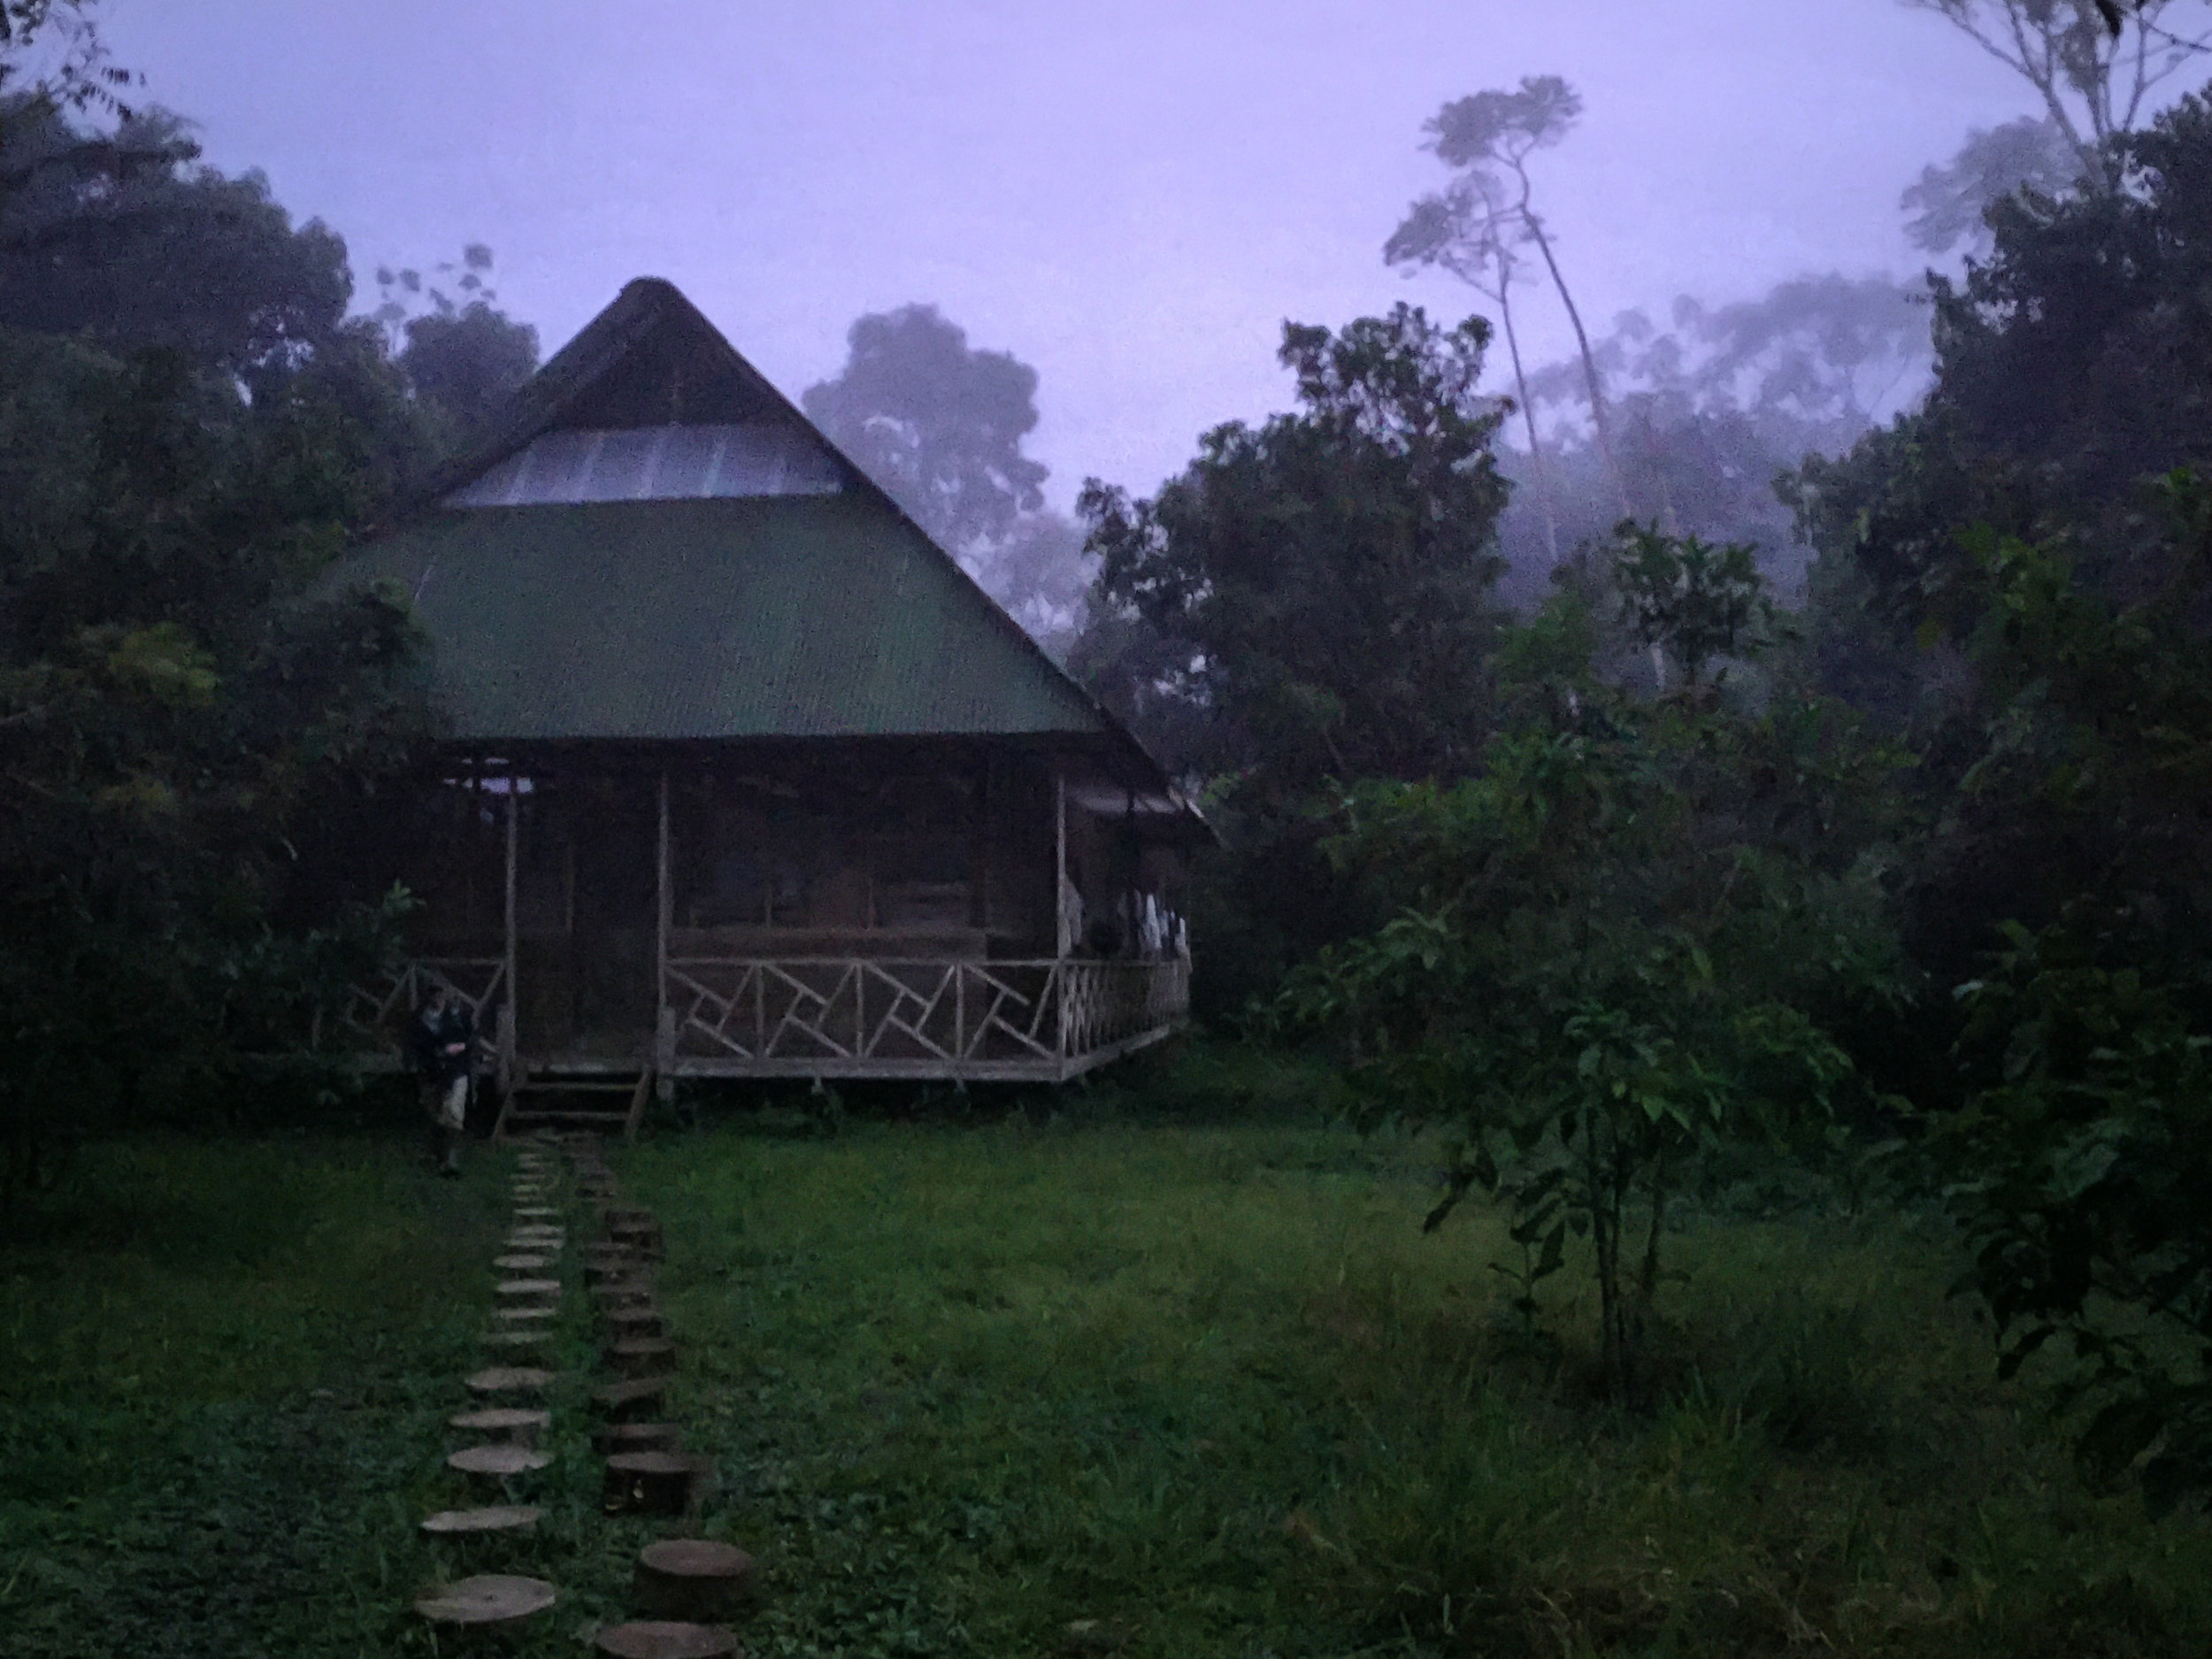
432,1032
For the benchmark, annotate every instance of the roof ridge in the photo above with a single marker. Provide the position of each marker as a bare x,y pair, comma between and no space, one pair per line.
648,303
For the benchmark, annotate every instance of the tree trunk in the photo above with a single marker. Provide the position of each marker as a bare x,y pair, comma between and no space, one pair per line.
1537,463
1600,421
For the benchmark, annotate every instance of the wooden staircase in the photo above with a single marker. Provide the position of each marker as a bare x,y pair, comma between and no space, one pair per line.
598,1099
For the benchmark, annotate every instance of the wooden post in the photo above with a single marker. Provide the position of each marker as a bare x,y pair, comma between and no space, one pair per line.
1060,862
980,844
1060,912
662,914
514,985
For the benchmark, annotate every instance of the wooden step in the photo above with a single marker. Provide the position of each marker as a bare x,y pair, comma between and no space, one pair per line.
691,1578
504,1517
490,1599
665,1639
653,1483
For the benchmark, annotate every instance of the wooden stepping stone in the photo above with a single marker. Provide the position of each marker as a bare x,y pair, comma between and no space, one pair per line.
630,1401
535,1231
498,1517
501,1461
527,1318
609,1437
514,1340
619,1297
535,1212
652,1483
660,1638
509,1379
615,1273
691,1578
526,1289
524,1263
641,1356
519,1424
540,1241
495,1598
630,1324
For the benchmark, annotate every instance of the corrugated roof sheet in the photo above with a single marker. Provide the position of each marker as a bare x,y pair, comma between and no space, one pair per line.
766,617
666,463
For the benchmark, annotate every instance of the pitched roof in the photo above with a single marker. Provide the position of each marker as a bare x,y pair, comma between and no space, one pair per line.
786,616
649,358
804,603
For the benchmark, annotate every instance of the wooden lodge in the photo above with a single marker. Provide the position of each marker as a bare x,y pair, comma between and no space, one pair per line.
743,776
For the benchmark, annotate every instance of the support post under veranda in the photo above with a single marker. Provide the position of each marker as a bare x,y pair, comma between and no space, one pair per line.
664,1016
510,1002
1062,942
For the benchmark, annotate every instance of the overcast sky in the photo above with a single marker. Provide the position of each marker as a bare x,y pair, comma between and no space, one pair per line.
1131,197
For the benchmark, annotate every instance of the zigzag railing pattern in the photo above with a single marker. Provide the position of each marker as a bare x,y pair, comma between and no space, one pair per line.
380,1009
841,1012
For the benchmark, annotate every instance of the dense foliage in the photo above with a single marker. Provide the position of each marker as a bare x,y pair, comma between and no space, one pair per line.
191,424
1662,870
1618,943
1310,600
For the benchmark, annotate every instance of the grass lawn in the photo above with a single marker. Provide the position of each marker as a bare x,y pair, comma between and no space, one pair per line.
1066,1389
1211,1392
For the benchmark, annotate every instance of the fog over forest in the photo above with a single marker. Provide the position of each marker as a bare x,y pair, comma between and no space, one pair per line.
1742,201
1552,994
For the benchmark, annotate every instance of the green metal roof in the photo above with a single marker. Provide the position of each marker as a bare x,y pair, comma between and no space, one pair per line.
791,616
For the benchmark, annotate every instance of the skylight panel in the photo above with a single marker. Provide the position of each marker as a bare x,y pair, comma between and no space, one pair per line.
657,463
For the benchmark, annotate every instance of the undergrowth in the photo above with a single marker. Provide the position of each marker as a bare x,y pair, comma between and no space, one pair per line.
1074,1379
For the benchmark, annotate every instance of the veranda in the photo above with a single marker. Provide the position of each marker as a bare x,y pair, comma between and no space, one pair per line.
926,909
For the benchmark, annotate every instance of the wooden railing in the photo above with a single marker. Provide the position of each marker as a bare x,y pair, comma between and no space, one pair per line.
870,1016
377,1013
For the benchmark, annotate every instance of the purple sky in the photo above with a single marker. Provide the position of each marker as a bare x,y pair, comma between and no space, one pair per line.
1131,197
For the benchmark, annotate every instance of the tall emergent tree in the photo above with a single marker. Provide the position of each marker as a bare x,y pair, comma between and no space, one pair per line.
1464,230
461,356
2096,66
939,424
1949,203
1487,139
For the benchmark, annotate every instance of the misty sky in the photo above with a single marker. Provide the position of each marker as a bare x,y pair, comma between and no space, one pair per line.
1131,197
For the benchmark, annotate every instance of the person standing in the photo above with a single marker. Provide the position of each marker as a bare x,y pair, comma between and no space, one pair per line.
441,1040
